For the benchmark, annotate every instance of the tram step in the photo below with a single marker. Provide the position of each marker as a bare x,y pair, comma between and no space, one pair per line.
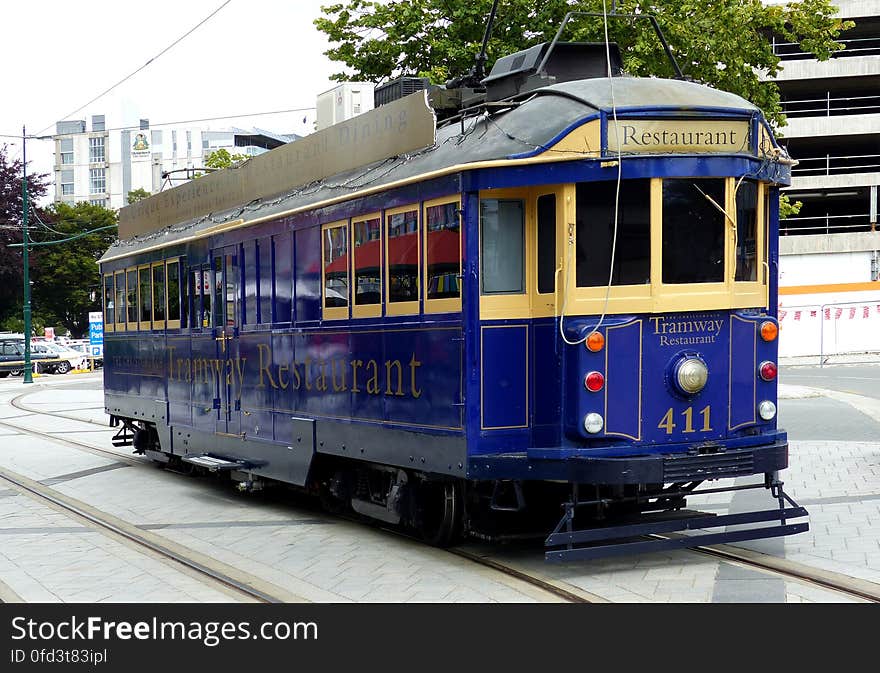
214,464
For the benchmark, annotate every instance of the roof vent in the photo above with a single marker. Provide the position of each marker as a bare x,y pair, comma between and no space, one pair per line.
533,68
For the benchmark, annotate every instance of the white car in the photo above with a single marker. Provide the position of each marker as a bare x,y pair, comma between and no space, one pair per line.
69,359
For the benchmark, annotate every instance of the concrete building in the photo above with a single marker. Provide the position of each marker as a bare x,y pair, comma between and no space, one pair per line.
102,165
829,273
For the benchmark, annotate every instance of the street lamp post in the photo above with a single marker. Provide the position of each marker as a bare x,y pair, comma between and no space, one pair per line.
28,378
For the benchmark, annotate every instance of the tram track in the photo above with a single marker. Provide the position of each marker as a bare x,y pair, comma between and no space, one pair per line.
852,587
230,579
136,536
825,579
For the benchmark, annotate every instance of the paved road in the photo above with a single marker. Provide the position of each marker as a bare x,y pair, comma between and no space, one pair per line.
858,379
823,418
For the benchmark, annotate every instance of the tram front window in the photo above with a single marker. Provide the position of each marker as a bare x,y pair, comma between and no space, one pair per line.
595,233
693,231
747,231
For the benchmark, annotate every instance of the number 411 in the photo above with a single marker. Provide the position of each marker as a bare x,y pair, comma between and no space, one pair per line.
666,423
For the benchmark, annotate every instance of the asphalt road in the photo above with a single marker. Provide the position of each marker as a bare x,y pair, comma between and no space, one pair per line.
821,418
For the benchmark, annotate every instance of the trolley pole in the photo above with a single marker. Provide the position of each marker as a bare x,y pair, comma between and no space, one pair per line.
28,378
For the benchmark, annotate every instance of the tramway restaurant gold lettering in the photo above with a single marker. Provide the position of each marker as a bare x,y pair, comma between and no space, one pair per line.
686,332
649,136
314,375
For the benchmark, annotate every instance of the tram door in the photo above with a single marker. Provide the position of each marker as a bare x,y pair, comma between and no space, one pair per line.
227,323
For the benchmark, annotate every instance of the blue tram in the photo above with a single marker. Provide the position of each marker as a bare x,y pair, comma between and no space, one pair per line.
558,308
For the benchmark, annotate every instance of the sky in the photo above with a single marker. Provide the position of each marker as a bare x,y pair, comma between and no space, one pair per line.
252,56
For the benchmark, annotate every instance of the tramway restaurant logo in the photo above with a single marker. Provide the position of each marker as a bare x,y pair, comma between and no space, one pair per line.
681,331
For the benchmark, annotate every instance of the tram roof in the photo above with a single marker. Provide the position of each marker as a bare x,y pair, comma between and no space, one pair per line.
530,127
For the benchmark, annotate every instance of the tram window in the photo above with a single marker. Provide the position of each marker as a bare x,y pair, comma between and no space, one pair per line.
172,275
693,231
442,252
283,286
251,271
264,251
119,305
159,294
131,299
218,300
231,276
109,313
367,262
502,246
202,297
595,233
186,293
403,256
546,243
145,295
336,266
747,231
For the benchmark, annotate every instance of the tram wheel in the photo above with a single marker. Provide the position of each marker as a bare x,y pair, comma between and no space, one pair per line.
441,509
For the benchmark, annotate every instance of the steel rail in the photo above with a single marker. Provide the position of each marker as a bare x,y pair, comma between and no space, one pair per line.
47,494
571,596
837,582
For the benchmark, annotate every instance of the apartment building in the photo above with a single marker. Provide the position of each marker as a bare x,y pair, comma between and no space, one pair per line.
102,165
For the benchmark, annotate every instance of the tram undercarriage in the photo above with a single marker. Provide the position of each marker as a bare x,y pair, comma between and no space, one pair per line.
591,521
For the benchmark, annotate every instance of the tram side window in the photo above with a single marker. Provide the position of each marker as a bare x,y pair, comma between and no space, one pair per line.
693,230
109,313
145,294
747,231
335,266
159,293
367,262
251,272
186,294
442,252
201,289
546,243
595,233
131,299
264,251
502,246
120,300
172,276
219,299
403,256
231,276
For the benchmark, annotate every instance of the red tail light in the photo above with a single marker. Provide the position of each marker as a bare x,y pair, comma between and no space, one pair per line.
768,370
594,382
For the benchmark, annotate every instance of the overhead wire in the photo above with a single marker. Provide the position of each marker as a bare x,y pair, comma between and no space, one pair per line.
571,237
133,73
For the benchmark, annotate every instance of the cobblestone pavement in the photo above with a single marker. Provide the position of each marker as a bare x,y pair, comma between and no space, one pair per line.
45,556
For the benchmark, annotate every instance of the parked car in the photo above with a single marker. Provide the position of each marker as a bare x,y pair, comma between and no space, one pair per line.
12,357
66,358
84,346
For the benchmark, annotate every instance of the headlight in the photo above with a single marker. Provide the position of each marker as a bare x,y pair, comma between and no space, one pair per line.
593,423
767,410
691,375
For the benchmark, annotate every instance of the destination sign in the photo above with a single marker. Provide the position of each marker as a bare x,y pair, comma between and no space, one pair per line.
656,136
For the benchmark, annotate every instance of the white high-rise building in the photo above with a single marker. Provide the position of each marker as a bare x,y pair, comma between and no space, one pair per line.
102,166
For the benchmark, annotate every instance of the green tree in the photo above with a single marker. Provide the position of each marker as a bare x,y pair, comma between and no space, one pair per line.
67,283
11,270
723,43
223,159
136,195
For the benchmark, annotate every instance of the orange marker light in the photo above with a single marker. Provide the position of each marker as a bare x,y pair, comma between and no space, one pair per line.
595,342
769,331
